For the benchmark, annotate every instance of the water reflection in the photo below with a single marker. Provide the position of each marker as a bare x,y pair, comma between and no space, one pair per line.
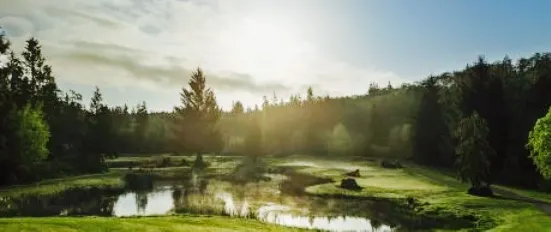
262,200
341,223
72,202
157,202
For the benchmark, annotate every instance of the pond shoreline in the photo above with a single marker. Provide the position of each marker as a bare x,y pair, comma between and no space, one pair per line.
320,182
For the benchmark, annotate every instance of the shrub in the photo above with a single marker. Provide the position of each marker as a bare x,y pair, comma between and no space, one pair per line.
349,183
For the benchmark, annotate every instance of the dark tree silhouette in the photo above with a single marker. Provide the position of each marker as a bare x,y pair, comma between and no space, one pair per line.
197,117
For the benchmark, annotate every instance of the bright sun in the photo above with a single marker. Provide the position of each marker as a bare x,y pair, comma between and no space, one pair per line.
260,47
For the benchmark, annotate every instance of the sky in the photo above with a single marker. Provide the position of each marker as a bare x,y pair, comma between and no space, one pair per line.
145,50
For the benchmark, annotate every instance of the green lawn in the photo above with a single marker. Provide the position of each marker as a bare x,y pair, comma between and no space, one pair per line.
542,196
137,161
440,193
112,179
133,224
106,180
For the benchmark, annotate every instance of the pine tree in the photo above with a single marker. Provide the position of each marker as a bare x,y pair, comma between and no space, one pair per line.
309,95
473,151
253,138
197,117
431,130
100,135
140,131
237,108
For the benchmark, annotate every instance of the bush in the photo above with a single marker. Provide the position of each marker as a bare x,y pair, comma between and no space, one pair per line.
199,163
349,183
184,162
355,173
165,162
483,191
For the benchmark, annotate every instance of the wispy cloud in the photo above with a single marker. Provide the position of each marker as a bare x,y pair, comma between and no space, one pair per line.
156,45
167,75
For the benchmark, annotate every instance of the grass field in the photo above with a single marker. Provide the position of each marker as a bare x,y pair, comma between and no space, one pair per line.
438,193
109,180
112,179
134,224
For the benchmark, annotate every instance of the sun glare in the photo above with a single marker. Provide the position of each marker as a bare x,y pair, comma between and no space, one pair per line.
260,46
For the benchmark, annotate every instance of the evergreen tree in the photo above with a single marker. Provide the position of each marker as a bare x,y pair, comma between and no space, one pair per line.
430,128
482,91
140,131
378,127
473,151
237,108
309,95
197,117
100,136
253,138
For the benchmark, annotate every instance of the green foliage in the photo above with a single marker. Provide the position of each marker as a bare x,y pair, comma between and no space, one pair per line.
473,151
195,128
199,163
431,134
340,142
238,108
392,121
539,144
253,139
31,134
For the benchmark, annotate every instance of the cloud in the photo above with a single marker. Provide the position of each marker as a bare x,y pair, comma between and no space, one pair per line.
245,50
15,26
64,14
127,60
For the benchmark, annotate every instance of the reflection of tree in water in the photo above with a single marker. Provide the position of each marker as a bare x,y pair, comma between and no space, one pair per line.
375,224
203,183
176,196
377,212
92,201
141,201
311,219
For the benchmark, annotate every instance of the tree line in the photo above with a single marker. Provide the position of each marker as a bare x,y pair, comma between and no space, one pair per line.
45,132
480,121
477,120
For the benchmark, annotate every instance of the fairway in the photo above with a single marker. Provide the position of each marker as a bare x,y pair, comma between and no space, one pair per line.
149,224
444,195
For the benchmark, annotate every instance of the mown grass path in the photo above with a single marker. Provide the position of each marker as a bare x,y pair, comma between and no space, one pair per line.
542,205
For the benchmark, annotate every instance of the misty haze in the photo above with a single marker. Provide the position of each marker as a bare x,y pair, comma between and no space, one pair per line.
258,115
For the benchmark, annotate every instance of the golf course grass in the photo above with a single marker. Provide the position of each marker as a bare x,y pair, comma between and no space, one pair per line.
435,194
135,224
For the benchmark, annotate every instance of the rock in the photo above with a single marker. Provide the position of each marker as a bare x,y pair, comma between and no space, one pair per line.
349,183
355,173
483,191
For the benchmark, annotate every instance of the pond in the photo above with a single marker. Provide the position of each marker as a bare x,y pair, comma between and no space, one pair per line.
261,200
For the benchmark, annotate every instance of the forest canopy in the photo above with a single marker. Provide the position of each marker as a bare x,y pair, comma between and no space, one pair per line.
47,132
